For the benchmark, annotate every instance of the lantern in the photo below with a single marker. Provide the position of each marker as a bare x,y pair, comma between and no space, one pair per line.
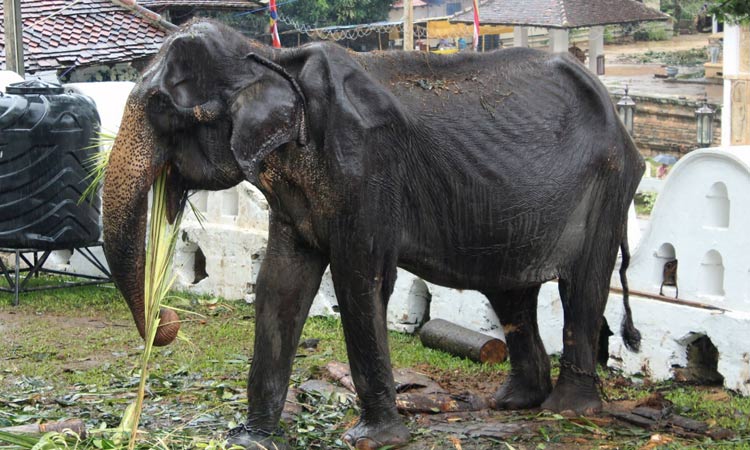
704,118
626,111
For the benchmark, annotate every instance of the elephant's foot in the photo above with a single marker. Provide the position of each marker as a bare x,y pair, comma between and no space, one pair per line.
372,436
576,393
518,393
248,438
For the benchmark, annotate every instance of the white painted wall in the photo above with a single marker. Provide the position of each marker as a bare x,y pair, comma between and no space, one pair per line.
703,214
110,98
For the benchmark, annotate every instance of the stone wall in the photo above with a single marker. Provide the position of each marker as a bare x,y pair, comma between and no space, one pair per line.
664,125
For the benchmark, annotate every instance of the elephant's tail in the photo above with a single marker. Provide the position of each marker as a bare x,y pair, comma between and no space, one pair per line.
630,334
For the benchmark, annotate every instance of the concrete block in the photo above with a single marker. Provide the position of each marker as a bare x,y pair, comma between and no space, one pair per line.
325,302
409,306
218,260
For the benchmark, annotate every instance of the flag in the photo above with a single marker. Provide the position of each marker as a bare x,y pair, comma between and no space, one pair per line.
476,25
274,26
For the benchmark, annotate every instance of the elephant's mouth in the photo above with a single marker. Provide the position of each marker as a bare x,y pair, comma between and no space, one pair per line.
176,192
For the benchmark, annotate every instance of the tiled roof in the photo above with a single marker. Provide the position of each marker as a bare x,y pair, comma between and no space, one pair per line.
561,13
415,4
59,34
158,5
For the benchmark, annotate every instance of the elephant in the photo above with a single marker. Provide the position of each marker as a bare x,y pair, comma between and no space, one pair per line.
494,172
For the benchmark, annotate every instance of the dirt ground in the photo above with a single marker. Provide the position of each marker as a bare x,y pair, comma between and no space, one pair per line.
676,43
642,77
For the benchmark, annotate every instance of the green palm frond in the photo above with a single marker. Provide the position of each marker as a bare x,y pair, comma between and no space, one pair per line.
97,163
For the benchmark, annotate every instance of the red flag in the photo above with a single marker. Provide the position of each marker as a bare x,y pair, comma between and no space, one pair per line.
274,26
476,25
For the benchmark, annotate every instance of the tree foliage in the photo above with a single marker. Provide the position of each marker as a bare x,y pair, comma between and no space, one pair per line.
732,11
320,13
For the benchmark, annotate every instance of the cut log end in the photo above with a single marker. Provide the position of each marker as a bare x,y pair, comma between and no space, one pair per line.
493,352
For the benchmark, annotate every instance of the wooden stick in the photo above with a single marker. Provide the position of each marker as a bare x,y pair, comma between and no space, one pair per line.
75,425
664,299
457,340
440,403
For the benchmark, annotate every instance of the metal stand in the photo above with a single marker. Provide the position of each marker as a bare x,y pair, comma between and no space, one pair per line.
35,266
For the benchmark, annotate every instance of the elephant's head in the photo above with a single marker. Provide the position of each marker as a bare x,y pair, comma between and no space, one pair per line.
209,95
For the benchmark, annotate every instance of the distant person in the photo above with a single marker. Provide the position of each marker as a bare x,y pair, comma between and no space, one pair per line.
662,171
445,43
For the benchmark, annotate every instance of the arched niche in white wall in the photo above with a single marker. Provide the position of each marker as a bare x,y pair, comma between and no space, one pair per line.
663,255
717,206
711,275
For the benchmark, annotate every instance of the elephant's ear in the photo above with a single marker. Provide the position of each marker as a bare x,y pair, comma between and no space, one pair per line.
356,112
266,114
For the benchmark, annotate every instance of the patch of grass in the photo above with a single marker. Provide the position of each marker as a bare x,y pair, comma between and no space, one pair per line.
715,406
651,32
644,203
692,57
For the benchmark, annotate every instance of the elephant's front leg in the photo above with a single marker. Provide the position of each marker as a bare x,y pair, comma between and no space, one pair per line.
364,279
287,283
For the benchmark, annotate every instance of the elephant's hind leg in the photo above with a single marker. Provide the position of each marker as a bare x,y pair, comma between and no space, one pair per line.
584,295
529,381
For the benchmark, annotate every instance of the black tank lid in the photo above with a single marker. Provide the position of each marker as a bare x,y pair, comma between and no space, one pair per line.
35,87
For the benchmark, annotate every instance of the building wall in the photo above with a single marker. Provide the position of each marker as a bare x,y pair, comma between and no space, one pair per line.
668,126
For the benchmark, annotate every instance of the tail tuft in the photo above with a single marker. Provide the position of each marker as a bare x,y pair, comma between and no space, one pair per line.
631,337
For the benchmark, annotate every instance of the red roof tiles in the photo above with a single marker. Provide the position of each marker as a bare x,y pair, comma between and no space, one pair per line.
59,34
561,13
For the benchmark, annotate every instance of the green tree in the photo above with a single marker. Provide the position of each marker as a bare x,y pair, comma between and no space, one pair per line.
732,11
320,13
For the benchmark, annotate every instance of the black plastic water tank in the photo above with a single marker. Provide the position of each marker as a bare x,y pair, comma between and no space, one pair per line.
45,143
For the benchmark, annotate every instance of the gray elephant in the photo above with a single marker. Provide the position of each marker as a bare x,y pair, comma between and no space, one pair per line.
494,172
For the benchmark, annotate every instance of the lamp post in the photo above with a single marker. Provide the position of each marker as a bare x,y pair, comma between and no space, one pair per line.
704,121
626,111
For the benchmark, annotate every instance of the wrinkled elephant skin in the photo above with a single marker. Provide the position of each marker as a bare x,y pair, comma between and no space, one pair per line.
495,172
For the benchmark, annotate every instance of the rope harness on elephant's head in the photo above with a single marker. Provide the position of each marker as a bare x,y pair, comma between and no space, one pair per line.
303,133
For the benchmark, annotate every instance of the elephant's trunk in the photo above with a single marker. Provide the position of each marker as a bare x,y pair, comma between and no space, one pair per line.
133,166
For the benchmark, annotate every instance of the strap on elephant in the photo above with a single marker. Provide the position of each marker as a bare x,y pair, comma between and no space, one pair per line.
564,363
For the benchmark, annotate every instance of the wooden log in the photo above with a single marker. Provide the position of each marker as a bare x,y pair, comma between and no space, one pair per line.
459,341
341,373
